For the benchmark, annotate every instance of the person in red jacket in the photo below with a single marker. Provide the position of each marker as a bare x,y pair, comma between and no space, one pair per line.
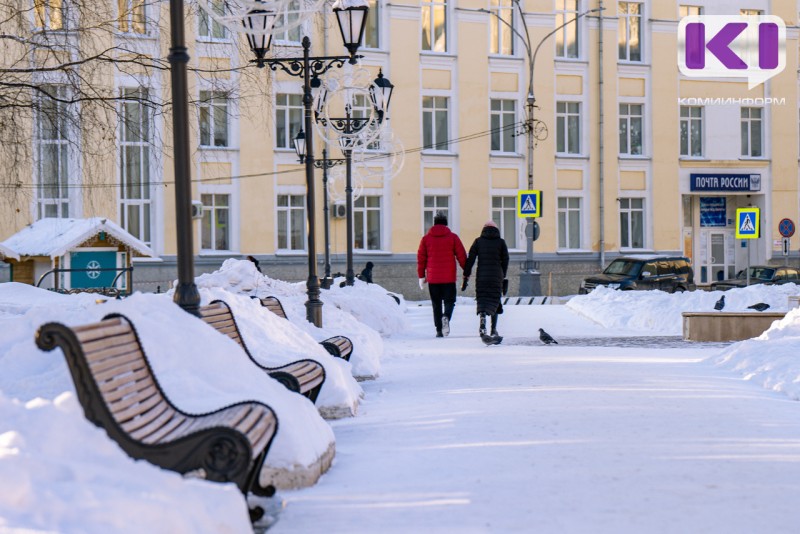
438,252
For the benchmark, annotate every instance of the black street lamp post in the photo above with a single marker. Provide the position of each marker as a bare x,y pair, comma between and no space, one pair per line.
186,295
352,21
325,163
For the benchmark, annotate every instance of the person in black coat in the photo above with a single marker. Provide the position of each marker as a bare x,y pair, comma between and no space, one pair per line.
491,252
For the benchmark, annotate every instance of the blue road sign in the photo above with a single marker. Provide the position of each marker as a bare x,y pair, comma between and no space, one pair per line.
786,227
529,204
747,223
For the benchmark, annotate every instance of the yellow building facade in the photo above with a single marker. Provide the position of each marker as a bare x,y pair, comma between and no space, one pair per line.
631,155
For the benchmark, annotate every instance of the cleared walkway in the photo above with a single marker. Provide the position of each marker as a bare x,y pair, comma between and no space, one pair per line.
458,437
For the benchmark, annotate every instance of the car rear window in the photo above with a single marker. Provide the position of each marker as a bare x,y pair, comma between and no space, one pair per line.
625,267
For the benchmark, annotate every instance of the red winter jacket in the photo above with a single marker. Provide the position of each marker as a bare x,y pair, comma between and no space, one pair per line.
437,253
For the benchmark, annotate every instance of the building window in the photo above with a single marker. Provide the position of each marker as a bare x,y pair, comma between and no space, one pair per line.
434,25
372,32
631,222
630,129
291,222
208,27
216,226
503,125
431,205
691,131
289,18
688,11
48,14
751,12
569,222
134,163
367,223
288,119
501,24
568,127
362,108
132,16
567,37
435,118
52,154
213,118
752,140
504,215
630,31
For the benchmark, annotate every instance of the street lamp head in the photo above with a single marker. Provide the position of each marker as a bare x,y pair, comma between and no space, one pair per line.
381,94
300,145
352,18
258,24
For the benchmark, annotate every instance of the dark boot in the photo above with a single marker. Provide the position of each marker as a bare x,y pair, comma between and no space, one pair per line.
482,330
494,326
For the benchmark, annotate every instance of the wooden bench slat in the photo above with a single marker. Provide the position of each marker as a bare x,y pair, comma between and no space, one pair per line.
95,349
100,324
131,388
158,427
121,374
132,354
102,331
151,421
127,411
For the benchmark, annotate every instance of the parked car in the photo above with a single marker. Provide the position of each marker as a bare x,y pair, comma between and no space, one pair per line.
667,273
760,274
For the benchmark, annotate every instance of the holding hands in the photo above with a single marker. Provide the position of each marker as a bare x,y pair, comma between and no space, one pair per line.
464,284
422,282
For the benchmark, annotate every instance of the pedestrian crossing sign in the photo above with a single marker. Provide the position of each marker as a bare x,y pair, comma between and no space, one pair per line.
529,204
747,223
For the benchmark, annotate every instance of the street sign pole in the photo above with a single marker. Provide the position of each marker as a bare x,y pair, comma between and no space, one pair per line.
746,244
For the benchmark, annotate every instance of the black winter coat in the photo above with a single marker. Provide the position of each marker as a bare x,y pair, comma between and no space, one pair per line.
492,254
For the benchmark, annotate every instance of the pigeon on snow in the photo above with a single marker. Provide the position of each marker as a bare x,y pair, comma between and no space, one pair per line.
720,303
761,306
546,338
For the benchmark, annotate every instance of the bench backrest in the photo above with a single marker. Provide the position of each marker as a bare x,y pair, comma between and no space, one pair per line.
219,316
274,305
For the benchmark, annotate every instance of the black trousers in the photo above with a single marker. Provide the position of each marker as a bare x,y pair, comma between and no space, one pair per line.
442,295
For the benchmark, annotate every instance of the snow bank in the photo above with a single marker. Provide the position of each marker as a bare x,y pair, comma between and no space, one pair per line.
60,473
659,313
770,359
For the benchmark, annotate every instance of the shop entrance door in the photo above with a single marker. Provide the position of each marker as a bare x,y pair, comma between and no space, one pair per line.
720,258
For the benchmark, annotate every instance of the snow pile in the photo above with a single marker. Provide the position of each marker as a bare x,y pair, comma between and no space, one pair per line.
659,313
770,359
59,473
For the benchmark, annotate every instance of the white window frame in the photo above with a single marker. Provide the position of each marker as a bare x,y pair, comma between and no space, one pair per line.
566,223
626,209
374,15
502,130
125,17
427,8
286,212
747,127
625,20
565,14
213,210
688,119
61,142
505,215
50,15
433,110
214,106
147,193
627,117
294,36
362,108
211,25
361,210
280,110
500,32
686,10
566,114
429,212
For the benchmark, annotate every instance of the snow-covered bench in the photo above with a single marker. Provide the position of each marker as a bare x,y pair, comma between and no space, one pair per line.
303,376
339,346
119,393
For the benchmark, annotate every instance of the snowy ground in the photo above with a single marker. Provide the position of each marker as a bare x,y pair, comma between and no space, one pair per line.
620,428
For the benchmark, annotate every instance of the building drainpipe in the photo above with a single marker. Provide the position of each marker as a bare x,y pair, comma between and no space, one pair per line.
601,151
